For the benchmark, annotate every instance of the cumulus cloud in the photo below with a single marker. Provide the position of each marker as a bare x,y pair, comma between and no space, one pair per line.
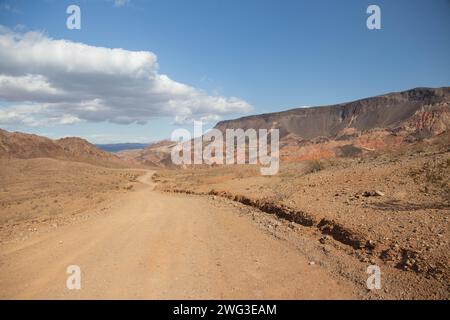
48,81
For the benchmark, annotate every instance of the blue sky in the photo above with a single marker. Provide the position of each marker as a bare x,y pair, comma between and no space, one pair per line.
271,55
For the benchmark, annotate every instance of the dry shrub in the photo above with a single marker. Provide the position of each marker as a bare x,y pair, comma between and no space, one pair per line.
313,166
435,174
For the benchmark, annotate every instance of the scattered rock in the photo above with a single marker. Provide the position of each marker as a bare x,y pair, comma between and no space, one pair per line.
128,187
375,193
324,239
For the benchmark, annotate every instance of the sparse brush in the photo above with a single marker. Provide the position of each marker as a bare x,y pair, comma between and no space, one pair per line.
278,197
313,166
435,174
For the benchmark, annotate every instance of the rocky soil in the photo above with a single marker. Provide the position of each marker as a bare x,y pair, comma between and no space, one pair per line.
38,194
390,208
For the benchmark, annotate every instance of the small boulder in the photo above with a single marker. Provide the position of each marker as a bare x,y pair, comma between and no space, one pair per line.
375,193
379,193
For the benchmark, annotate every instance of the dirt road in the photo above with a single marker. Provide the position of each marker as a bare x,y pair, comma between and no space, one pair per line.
154,245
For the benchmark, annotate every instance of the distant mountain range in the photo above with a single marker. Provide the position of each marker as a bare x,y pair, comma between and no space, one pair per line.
116,147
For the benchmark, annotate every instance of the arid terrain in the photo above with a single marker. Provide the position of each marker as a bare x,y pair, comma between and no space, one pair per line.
389,209
131,241
369,185
46,192
148,244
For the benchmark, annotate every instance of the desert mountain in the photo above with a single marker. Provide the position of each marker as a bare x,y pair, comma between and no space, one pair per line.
421,108
351,128
27,146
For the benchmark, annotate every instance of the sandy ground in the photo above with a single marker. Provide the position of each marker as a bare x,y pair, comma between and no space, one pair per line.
36,191
153,245
391,209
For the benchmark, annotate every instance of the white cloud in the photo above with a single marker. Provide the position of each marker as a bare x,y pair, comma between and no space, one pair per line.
120,3
47,81
28,87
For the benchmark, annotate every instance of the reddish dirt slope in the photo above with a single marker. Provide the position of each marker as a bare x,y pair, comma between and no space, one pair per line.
27,146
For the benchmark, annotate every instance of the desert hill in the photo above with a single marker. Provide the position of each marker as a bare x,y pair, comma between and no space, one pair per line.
27,146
